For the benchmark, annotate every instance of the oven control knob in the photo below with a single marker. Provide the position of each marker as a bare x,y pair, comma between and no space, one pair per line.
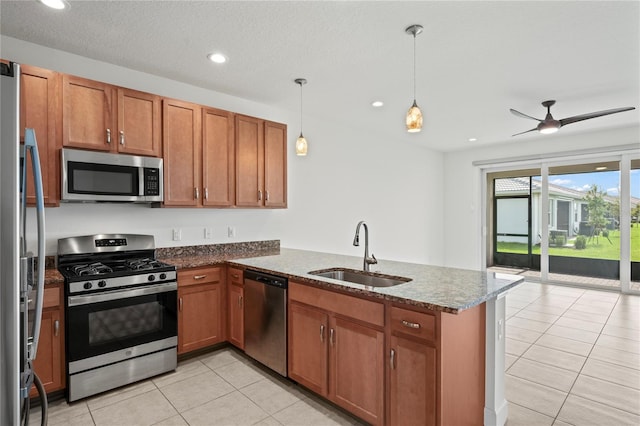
163,276
151,278
102,283
87,286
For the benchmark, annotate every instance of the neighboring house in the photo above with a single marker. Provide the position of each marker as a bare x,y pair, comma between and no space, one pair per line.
567,208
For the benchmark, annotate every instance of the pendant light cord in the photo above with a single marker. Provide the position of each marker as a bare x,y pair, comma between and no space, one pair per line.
301,108
414,67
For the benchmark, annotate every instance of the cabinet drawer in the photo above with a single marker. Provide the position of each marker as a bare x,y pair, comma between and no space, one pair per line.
199,276
354,307
413,323
235,276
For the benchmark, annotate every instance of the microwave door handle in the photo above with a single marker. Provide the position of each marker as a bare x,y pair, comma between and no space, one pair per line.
32,145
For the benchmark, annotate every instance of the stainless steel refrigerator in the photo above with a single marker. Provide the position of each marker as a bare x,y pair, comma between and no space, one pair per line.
21,274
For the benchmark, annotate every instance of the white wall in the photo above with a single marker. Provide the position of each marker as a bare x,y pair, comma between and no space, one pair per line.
350,174
462,184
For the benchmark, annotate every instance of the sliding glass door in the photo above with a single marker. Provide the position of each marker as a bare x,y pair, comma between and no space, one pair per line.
591,229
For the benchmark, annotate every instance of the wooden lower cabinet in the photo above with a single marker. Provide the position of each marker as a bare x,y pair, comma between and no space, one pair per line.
235,307
412,384
201,311
338,357
49,362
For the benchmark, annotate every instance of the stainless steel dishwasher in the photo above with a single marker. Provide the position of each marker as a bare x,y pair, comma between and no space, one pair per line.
265,319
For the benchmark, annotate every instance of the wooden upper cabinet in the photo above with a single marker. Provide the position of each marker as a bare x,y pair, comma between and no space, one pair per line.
181,146
139,123
40,110
99,116
218,158
261,163
275,164
249,161
89,115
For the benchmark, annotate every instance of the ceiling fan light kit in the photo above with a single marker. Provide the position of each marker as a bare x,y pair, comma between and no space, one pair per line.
414,115
551,125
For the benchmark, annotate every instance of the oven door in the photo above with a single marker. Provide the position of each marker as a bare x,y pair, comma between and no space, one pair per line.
114,325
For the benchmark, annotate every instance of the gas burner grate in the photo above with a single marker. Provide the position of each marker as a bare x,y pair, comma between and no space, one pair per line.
143,264
96,268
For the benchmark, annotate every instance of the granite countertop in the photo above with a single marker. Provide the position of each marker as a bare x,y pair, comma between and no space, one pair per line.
438,288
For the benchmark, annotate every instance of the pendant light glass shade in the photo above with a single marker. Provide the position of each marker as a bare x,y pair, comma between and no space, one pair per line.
414,115
301,142
301,145
414,118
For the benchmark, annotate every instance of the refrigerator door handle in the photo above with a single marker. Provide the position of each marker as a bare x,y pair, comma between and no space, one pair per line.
31,145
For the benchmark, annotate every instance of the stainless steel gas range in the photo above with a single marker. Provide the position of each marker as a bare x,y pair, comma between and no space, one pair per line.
121,312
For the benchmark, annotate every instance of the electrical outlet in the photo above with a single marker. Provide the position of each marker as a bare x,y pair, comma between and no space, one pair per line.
177,234
207,233
231,231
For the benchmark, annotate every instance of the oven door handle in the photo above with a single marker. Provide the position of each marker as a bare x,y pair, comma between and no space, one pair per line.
121,294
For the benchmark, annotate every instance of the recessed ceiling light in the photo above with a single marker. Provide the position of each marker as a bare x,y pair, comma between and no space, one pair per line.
377,104
218,58
601,168
55,4
472,139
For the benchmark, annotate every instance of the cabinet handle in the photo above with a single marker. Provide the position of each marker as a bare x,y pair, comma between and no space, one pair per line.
410,324
199,277
240,301
259,195
180,304
56,328
108,135
236,276
331,337
206,193
322,332
121,137
196,193
266,193
392,359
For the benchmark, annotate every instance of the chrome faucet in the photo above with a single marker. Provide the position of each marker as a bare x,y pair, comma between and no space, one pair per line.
356,242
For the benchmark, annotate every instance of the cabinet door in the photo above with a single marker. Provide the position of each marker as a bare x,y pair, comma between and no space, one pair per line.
236,315
249,161
48,364
138,123
218,155
181,146
275,164
308,336
39,110
88,119
413,383
200,316
357,369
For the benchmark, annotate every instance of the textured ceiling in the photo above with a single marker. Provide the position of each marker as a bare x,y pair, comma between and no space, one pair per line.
475,60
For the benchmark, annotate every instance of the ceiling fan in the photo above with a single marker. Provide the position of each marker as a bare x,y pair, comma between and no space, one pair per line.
551,125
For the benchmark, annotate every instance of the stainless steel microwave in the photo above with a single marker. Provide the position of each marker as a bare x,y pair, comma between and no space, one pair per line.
100,176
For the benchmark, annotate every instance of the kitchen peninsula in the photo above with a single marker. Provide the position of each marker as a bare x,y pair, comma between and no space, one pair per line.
431,350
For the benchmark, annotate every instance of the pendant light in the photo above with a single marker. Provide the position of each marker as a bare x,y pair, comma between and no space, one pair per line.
301,143
414,115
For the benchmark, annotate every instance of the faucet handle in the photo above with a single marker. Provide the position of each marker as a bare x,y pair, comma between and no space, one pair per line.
372,260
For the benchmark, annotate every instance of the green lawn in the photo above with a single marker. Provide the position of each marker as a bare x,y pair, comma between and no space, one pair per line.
599,248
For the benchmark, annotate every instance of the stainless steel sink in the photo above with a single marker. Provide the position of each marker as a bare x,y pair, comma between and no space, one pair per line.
360,277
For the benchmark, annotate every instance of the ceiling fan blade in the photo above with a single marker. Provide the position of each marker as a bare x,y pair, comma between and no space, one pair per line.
532,130
519,114
588,116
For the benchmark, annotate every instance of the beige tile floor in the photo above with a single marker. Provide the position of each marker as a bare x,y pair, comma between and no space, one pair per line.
573,358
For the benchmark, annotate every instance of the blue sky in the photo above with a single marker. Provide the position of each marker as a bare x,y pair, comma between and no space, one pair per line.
607,181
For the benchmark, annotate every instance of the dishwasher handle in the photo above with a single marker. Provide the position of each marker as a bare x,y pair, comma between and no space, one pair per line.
267,279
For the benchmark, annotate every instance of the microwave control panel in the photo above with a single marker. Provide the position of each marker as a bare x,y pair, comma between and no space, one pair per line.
151,181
